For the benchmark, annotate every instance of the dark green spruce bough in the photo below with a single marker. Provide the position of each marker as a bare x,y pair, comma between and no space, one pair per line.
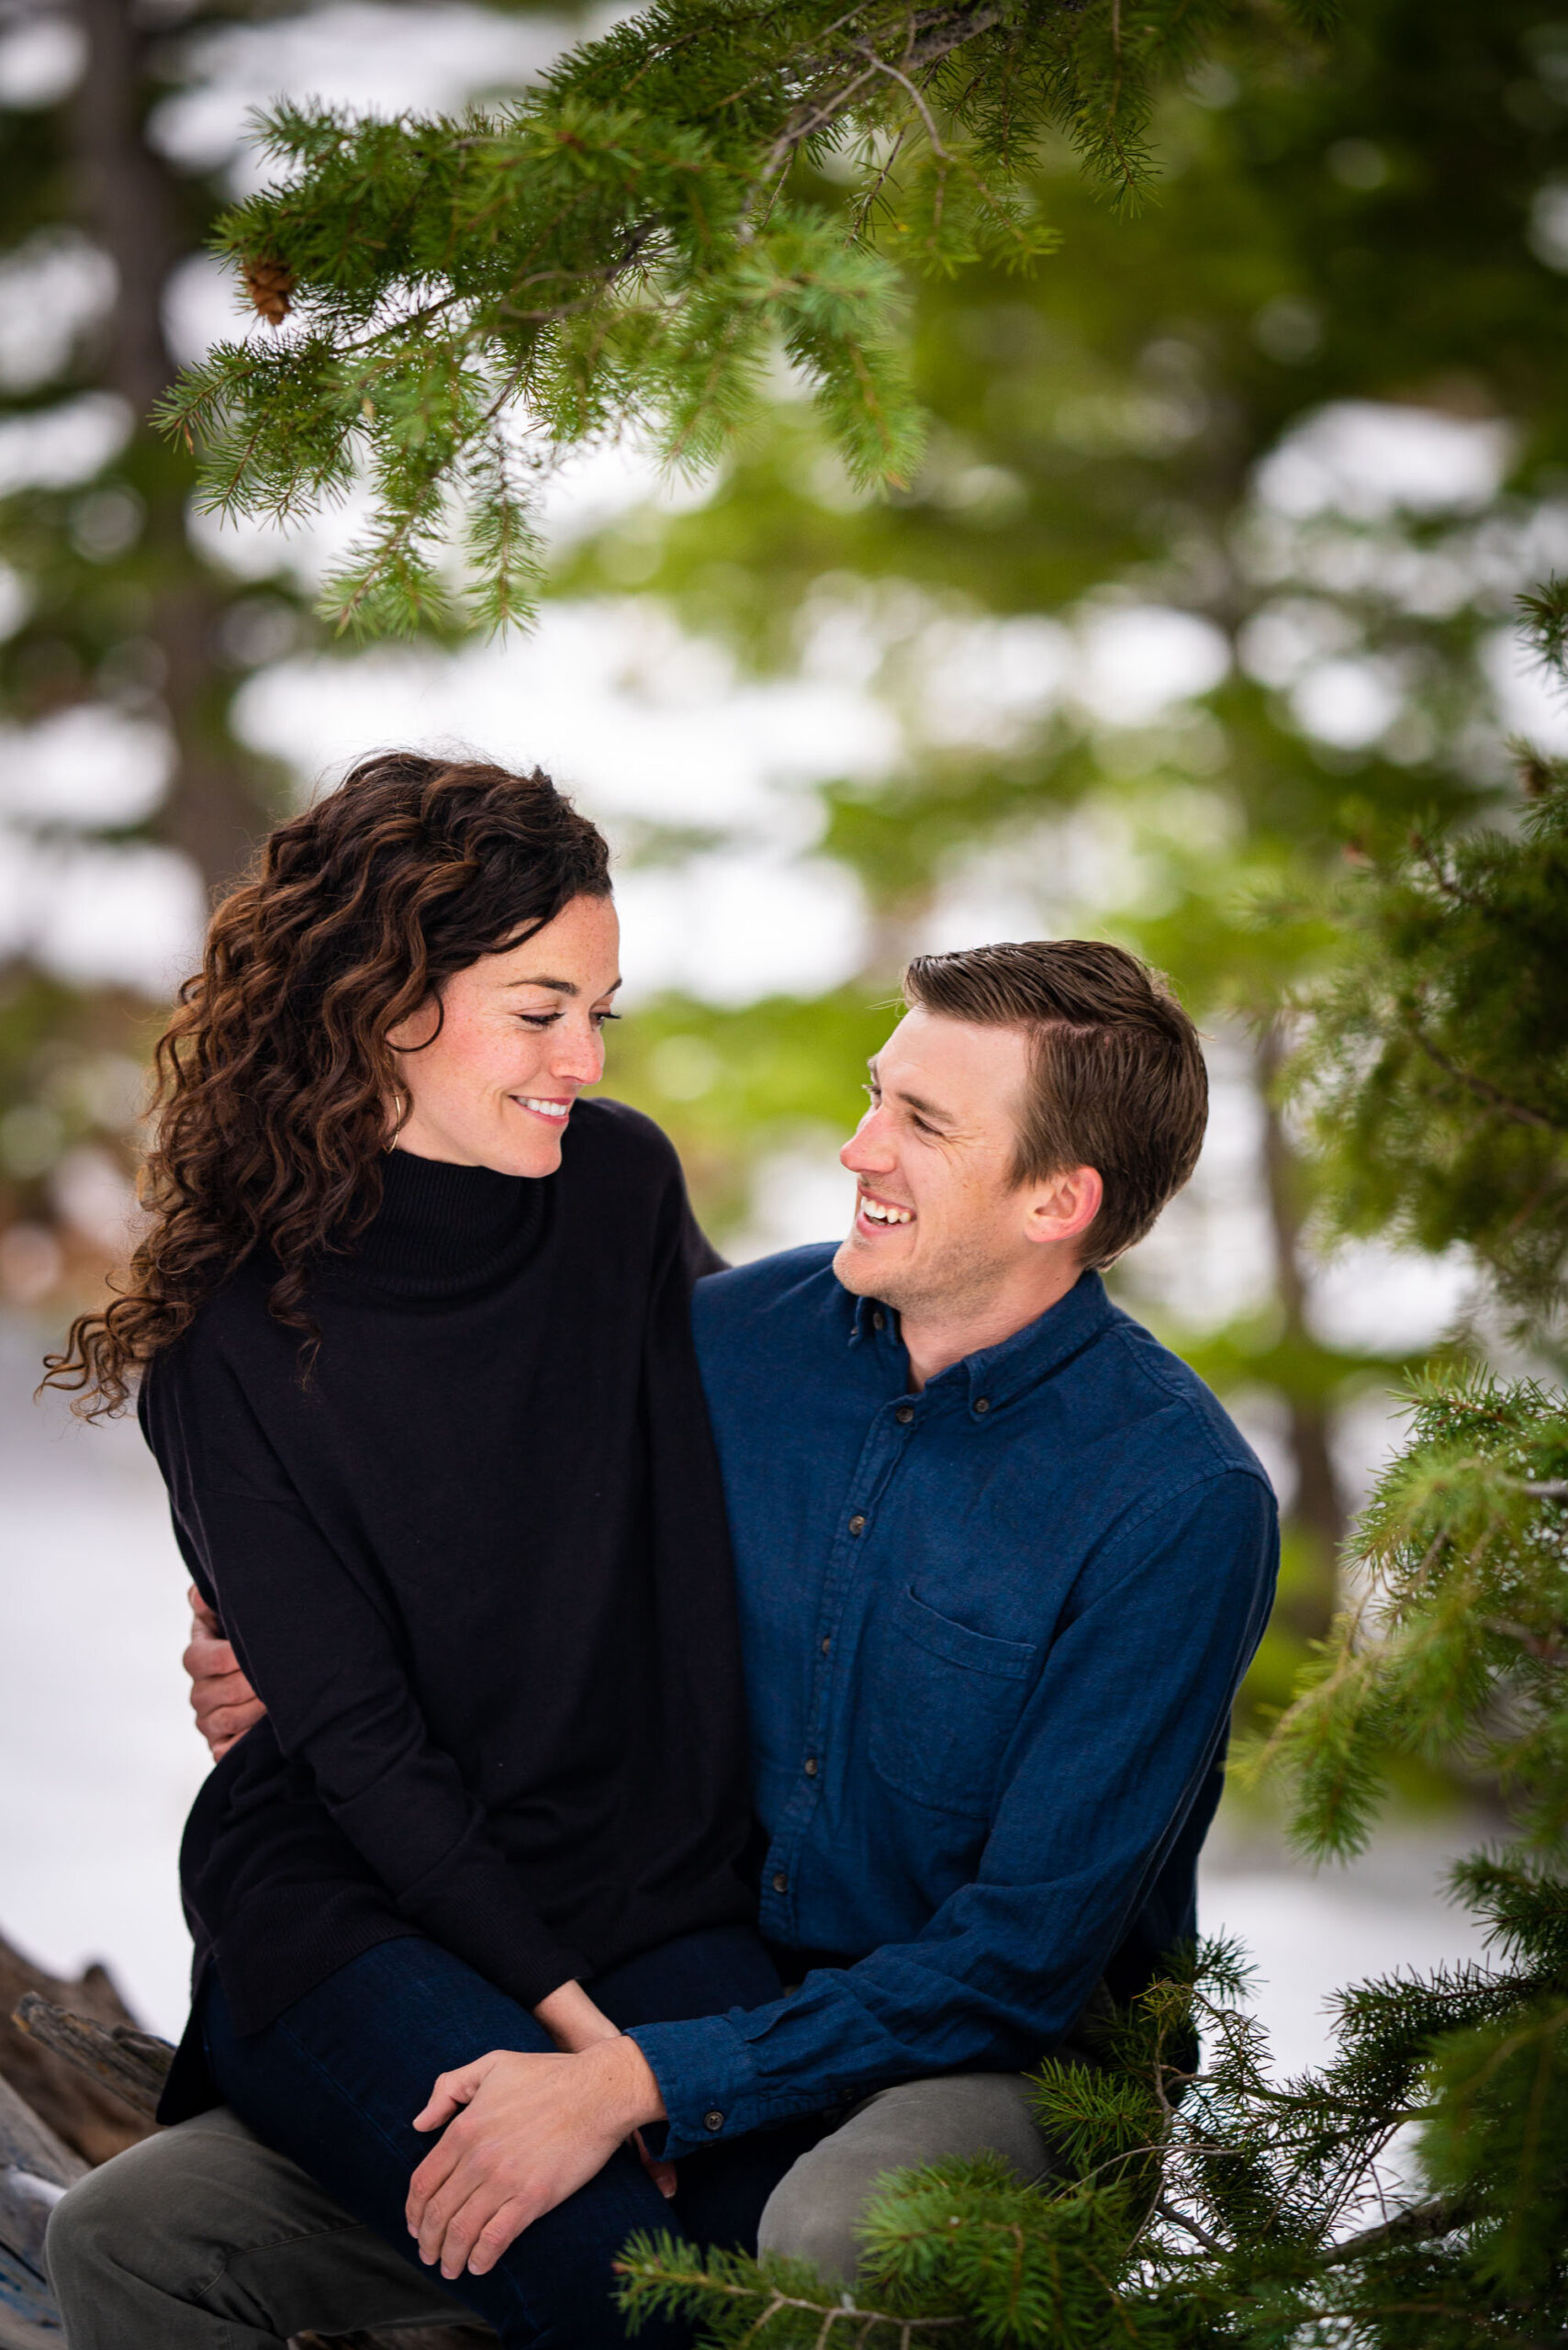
1226,2206
462,301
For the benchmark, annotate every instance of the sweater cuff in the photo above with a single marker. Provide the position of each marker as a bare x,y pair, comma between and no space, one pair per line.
707,2079
534,1970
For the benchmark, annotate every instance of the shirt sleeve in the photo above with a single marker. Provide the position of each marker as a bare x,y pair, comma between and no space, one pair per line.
1125,1722
319,1644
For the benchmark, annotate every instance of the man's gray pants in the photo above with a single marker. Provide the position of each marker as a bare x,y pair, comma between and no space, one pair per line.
203,2239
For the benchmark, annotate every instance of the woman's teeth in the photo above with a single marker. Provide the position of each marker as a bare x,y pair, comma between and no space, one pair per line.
877,1211
559,1110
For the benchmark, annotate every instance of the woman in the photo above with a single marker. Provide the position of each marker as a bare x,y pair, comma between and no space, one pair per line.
410,1321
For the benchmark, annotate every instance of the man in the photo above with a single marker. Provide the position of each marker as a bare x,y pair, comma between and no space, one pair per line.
1003,1561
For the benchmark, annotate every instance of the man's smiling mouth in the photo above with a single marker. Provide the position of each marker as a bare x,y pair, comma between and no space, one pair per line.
884,1212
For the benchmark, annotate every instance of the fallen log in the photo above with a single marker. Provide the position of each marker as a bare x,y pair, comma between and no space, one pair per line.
36,2168
133,2065
85,2109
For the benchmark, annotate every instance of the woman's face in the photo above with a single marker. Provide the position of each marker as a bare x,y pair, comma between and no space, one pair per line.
521,1034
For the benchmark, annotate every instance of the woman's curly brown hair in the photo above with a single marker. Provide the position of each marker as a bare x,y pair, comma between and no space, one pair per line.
277,1090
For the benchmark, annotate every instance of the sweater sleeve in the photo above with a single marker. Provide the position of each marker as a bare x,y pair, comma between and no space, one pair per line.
318,1642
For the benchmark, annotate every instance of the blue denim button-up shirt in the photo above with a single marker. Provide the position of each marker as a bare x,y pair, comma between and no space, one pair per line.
992,1632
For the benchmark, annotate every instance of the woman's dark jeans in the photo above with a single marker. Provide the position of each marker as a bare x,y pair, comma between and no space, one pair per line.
335,2081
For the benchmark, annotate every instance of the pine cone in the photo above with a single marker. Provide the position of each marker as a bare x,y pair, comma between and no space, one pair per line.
269,284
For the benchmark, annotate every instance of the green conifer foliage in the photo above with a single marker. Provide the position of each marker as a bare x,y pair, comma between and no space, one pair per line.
630,245
1437,1070
1206,2205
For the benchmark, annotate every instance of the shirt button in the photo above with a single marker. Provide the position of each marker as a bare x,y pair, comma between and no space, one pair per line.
982,1404
827,1647
904,1414
780,1883
879,1320
714,2122
810,1767
856,1524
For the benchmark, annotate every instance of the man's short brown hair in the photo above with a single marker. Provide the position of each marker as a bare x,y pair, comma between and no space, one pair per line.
1117,1082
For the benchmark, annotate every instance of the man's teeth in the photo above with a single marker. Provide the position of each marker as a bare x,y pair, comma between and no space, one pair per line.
877,1212
546,1109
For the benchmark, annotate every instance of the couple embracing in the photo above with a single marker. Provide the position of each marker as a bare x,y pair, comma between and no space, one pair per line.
709,1732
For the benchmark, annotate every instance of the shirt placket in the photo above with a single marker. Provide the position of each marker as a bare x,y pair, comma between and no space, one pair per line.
866,1494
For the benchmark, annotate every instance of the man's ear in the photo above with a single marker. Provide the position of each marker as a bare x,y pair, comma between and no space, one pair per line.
1063,1207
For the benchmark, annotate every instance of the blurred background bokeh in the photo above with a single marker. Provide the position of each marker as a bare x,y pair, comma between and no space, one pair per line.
1213,560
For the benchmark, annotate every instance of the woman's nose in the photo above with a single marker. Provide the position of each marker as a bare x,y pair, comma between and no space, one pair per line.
580,1057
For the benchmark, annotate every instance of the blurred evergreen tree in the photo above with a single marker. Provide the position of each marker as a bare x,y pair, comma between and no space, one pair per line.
125,645
1132,425
120,609
118,616
1209,2203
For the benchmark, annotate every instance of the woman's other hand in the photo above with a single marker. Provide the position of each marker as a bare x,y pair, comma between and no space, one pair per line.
520,2133
224,1703
574,2023
572,2020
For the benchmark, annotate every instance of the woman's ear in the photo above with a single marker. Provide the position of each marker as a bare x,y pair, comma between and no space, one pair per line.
420,1029
1064,1206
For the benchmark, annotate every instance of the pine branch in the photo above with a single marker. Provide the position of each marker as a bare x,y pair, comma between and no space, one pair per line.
618,252
1484,1092
1421,2224
833,2309
1185,2222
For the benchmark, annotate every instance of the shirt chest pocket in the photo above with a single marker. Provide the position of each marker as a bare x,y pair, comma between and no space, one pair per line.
943,1703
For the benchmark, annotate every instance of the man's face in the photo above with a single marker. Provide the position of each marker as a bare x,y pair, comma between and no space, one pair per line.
939,1224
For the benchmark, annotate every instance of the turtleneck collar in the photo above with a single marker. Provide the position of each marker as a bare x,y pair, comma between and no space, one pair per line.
442,1231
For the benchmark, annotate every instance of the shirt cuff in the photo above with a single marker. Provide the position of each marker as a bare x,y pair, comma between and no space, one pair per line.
707,2079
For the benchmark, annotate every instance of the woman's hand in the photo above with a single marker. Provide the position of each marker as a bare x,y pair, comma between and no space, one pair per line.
522,2133
224,1705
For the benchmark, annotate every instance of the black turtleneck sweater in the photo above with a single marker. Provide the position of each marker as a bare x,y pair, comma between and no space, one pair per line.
478,1568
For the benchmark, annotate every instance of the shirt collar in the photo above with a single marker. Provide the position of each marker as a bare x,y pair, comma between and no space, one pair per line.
1015,1364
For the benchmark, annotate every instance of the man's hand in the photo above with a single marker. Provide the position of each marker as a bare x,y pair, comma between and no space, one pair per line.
226,1705
574,2023
529,2130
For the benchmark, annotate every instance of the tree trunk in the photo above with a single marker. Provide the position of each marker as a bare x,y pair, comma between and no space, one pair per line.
1319,1507
133,206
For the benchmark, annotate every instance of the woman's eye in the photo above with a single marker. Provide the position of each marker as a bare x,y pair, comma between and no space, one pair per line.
600,1017
539,1019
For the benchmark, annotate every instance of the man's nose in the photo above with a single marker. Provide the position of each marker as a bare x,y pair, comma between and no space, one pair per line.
869,1150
